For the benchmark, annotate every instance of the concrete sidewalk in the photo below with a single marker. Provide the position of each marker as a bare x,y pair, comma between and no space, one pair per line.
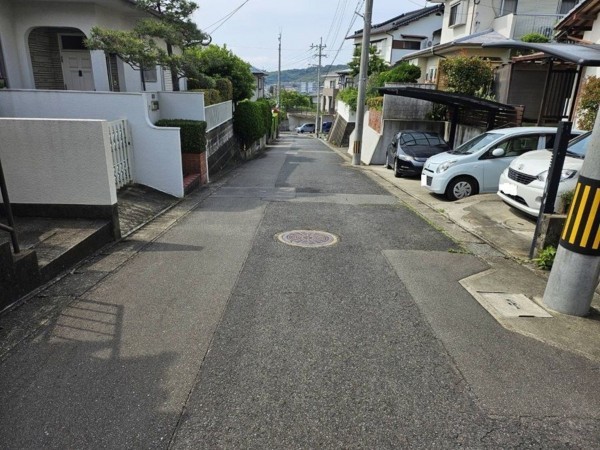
501,236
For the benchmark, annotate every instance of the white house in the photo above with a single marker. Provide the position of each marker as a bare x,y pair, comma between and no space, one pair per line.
468,24
42,47
405,33
259,86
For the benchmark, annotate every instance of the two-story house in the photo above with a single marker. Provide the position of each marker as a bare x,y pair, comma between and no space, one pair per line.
467,24
405,33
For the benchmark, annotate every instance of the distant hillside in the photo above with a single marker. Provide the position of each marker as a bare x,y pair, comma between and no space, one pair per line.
296,75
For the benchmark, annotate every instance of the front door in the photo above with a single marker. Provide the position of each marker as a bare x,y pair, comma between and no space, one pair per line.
76,63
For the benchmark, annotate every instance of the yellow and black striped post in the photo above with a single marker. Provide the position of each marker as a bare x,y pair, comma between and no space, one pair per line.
581,233
576,269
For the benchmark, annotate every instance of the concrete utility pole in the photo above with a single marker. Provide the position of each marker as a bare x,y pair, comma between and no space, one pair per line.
320,48
576,267
279,76
362,83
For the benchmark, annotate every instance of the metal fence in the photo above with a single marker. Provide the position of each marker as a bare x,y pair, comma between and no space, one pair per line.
218,114
543,24
120,145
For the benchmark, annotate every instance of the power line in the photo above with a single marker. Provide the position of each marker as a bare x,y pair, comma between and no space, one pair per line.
225,18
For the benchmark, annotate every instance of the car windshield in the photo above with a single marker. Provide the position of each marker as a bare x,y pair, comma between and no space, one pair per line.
476,144
410,139
578,146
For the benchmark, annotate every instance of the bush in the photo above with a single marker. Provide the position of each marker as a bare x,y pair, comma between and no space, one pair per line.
402,73
225,88
589,100
192,134
248,122
211,96
535,38
375,103
201,81
266,114
349,96
469,75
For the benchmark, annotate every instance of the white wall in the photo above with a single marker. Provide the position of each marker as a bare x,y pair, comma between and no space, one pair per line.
371,146
218,114
344,110
57,162
181,105
156,151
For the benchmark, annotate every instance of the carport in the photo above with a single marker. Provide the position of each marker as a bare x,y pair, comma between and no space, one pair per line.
494,114
580,55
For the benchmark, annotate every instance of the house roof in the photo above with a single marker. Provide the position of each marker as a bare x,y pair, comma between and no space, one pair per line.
256,71
399,21
579,19
583,55
471,40
447,98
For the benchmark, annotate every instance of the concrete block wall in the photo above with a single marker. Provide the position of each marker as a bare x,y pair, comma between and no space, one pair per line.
221,146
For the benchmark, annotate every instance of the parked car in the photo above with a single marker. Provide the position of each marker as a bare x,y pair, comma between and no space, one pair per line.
475,166
522,184
408,151
326,127
306,128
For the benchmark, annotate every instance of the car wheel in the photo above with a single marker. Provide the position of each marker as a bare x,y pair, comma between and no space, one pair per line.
397,173
461,187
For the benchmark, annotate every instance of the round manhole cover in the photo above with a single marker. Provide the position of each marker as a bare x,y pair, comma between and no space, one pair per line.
307,238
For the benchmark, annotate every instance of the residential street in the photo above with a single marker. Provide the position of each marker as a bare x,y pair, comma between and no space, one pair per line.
217,335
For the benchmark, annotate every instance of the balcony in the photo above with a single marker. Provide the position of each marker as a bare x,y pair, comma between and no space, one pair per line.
516,25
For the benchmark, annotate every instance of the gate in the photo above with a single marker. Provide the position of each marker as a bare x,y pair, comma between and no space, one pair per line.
120,145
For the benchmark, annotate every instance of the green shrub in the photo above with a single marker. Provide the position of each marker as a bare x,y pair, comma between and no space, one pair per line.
349,96
248,122
211,96
535,38
567,199
469,75
225,88
545,259
402,73
201,81
266,114
192,134
589,100
375,103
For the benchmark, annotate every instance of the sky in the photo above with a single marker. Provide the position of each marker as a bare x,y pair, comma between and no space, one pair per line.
252,31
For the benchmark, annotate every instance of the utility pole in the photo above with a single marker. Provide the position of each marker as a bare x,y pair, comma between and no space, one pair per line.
576,267
279,76
320,47
362,83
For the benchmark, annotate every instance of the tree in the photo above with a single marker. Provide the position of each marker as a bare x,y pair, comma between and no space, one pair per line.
292,99
469,75
220,62
170,23
376,63
589,99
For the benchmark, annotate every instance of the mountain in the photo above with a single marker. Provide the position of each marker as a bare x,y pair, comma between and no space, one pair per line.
299,75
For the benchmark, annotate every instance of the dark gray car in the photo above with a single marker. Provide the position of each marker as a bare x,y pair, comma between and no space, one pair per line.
409,150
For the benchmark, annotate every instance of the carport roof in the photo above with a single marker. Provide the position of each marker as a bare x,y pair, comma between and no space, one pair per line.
583,55
447,98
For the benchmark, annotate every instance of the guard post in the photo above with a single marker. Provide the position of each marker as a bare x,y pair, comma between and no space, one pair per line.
574,275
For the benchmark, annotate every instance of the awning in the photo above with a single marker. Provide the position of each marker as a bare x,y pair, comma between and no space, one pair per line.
582,55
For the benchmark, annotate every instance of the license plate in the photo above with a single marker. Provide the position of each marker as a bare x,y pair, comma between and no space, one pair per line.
508,188
423,179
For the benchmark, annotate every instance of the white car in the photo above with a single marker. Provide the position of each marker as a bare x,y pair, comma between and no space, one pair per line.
522,184
476,165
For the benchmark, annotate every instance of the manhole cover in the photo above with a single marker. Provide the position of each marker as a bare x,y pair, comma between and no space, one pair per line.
307,238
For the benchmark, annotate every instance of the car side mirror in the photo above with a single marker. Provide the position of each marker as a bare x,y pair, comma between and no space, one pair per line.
497,152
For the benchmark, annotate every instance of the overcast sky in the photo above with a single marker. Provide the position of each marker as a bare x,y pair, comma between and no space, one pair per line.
251,33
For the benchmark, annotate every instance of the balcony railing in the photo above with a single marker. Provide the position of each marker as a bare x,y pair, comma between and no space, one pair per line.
530,23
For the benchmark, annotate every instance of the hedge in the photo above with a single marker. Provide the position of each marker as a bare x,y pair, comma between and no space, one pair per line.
267,115
192,134
248,122
211,96
225,88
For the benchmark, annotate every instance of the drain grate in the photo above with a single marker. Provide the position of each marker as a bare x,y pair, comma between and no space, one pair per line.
307,238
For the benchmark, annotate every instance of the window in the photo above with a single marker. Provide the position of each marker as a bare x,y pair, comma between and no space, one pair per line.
566,6
518,145
457,17
508,7
150,75
406,45
72,42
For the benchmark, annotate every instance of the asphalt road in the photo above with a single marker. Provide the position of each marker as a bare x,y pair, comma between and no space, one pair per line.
217,335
